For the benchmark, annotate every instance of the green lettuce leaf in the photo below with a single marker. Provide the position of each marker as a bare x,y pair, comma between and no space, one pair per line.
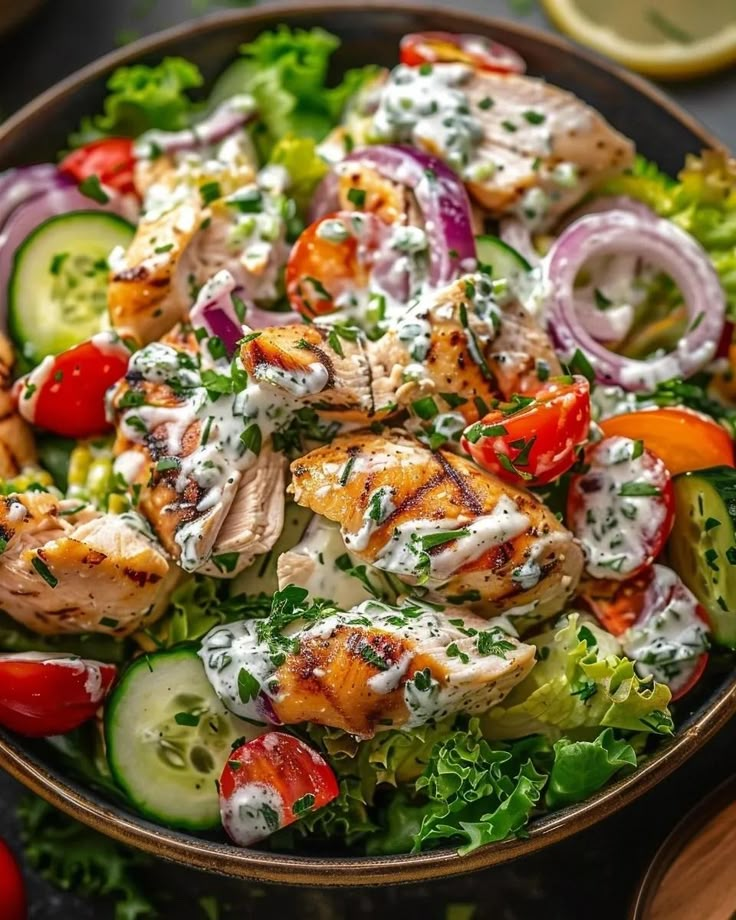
142,97
14,637
299,157
580,682
701,201
581,767
285,70
477,793
197,605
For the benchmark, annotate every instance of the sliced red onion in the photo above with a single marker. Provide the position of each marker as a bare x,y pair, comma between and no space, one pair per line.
611,203
214,310
226,119
20,185
62,197
669,248
442,198
516,234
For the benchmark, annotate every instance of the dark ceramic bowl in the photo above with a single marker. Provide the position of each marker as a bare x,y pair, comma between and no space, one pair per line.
370,33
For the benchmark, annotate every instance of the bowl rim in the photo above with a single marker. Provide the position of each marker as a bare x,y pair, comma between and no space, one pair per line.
85,804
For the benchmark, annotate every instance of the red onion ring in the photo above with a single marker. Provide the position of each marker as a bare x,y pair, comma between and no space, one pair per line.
214,311
667,246
226,119
442,198
17,186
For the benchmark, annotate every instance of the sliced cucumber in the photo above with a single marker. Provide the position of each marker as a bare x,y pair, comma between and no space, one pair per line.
702,548
502,260
168,737
57,292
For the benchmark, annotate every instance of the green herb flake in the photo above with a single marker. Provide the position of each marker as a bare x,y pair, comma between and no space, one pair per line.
252,439
90,187
356,196
44,571
209,192
303,804
248,686
534,118
189,719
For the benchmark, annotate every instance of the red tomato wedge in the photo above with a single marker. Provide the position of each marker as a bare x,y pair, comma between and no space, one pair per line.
271,782
419,48
111,160
65,394
533,440
621,509
685,440
659,622
13,904
48,694
333,260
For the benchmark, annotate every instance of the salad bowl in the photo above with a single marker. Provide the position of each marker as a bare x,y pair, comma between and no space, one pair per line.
370,33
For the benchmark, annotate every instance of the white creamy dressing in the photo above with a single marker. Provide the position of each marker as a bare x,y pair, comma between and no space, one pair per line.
409,552
312,380
312,564
669,641
380,506
427,107
217,463
617,531
469,675
252,813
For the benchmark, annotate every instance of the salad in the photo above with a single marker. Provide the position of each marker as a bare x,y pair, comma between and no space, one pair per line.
366,449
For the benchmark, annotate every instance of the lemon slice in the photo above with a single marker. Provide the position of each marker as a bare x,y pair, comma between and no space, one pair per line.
668,39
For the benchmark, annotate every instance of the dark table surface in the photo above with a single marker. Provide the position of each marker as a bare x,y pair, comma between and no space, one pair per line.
593,874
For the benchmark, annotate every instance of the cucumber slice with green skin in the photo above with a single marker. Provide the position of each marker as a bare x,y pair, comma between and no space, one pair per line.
168,738
57,291
502,260
702,547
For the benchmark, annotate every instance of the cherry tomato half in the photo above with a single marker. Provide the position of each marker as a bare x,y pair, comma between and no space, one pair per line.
659,622
65,394
683,439
270,782
111,160
50,694
533,440
445,47
12,888
333,261
621,509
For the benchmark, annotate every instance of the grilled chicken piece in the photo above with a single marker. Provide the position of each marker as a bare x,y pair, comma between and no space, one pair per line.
372,668
255,519
520,143
213,505
436,519
185,237
149,292
324,369
17,447
456,341
72,570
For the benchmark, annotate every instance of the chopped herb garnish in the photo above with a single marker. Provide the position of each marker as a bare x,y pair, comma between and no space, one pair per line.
159,250
303,805
168,463
210,192
44,571
710,523
510,467
425,408
477,431
109,622
638,449
371,656
601,301
347,470
430,540
453,400
493,642
581,365
226,562
485,103
187,718
452,651
252,439
90,187
356,196
509,126
248,686
638,489
535,118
